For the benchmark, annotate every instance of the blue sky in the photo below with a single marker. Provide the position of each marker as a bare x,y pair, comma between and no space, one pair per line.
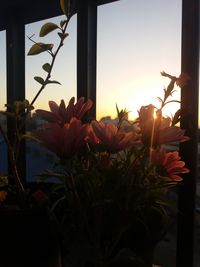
136,40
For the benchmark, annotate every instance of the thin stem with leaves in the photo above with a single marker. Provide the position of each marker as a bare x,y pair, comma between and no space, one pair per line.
54,55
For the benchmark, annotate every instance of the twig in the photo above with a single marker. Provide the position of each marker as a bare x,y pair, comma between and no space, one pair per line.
13,161
52,62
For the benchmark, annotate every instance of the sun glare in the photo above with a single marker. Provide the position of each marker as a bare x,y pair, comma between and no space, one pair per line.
154,115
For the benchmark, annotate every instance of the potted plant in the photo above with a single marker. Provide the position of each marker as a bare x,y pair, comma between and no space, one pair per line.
24,215
112,198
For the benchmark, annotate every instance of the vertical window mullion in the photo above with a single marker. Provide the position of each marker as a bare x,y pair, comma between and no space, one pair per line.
86,51
189,121
15,61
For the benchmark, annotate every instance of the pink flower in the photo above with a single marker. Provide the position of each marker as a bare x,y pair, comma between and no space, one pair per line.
169,134
146,122
169,164
182,80
61,114
91,137
158,131
172,134
64,141
111,137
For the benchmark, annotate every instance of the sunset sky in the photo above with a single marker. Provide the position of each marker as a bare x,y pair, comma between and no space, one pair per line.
137,39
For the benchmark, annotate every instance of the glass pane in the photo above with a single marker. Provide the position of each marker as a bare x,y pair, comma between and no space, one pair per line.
3,150
64,71
136,41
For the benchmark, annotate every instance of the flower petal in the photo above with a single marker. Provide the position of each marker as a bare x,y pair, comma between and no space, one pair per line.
53,107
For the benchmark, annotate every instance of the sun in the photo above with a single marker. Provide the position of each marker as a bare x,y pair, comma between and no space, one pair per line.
135,94
143,100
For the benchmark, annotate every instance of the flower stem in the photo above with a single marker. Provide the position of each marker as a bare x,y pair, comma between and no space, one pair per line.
52,62
12,157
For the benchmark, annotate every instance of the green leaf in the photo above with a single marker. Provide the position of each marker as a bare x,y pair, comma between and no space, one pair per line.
30,136
58,202
63,35
170,87
39,80
39,48
176,118
62,23
47,28
47,46
68,7
36,49
46,67
48,174
65,5
117,110
49,81
160,99
3,181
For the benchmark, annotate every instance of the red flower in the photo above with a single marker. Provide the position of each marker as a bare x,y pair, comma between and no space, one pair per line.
61,114
169,164
64,141
111,137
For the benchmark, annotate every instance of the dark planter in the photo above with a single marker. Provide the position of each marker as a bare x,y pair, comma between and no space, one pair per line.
28,239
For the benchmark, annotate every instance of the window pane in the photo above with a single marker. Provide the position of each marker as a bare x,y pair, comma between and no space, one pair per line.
3,150
136,41
64,71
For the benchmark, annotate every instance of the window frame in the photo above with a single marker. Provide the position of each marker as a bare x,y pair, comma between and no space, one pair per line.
13,17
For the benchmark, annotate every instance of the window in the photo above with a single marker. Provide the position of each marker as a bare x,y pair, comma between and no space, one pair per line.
64,71
3,149
136,41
